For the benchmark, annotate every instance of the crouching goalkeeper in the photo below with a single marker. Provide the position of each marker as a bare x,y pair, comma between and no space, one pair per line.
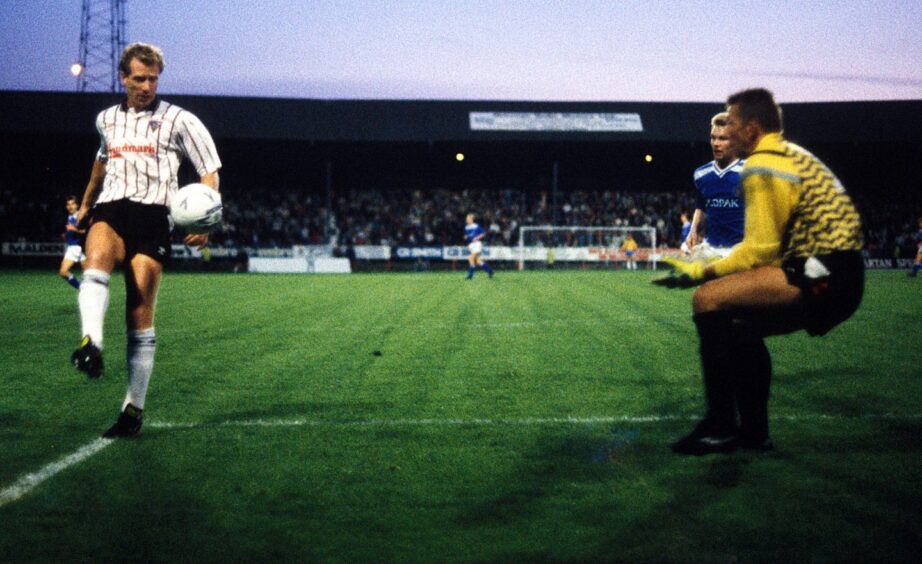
799,266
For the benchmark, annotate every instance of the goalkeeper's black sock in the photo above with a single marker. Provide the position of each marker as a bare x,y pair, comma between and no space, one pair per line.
753,382
717,343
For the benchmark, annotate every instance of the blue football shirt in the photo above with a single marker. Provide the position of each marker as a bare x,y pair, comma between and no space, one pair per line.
718,194
71,237
686,229
471,231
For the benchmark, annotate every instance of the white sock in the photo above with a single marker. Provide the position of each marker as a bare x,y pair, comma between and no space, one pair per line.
140,354
94,301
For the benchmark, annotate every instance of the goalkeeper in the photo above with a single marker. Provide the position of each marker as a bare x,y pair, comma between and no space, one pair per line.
799,266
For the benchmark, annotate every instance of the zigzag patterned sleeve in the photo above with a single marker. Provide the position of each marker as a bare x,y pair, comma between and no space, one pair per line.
770,197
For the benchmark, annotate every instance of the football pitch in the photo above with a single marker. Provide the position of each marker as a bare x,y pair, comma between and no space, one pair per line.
422,417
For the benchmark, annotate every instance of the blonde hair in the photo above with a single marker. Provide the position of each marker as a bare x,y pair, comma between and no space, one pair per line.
720,120
146,53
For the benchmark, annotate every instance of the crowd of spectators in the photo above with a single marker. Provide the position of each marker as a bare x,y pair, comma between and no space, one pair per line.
393,217
891,223
436,217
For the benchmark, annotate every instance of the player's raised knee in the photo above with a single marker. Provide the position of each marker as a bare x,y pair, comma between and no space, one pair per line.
705,299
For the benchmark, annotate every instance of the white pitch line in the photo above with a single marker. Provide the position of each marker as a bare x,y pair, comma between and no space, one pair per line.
479,421
29,482
425,422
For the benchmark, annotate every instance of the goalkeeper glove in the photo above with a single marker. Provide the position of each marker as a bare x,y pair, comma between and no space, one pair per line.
684,274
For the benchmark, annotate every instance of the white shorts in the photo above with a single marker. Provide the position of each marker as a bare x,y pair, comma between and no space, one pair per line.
475,248
704,250
74,253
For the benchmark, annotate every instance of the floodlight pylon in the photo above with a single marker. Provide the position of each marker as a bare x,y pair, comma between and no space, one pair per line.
103,36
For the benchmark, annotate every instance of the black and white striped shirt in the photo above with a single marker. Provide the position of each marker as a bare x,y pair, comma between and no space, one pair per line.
143,150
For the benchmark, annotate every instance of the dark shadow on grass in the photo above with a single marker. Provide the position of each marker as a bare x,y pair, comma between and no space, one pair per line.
583,456
9,420
869,481
613,469
834,390
823,504
725,472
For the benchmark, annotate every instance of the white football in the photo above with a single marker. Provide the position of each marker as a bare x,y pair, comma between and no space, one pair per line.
196,208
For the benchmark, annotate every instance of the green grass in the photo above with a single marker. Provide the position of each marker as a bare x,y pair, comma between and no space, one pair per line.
452,444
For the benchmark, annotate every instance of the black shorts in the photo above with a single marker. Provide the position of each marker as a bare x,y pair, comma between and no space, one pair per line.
831,295
144,228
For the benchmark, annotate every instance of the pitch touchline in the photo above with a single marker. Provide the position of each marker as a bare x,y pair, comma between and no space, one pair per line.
29,482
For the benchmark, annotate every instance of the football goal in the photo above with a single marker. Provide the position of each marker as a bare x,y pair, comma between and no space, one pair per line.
556,246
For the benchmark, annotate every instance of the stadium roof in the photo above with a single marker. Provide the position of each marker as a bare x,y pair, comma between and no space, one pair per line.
470,121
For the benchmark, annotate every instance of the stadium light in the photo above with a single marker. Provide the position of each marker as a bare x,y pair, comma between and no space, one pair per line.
648,157
76,69
459,157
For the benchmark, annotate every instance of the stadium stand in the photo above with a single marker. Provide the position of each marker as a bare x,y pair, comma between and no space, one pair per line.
384,173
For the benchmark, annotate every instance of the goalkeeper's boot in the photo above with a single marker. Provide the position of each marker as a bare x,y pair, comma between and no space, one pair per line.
88,358
128,423
707,438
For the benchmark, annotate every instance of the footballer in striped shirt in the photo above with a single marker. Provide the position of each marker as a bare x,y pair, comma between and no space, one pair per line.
143,141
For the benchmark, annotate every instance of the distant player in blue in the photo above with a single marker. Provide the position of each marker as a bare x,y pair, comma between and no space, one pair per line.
474,235
73,237
686,229
917,265
717,196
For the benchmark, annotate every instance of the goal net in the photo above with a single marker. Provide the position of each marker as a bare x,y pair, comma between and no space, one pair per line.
554,246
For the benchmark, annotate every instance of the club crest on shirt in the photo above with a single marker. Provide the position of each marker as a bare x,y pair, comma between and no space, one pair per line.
154,125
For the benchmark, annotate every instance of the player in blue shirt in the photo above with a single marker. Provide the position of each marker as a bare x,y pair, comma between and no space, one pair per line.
73,237
717,196
686,229
474,235
917,265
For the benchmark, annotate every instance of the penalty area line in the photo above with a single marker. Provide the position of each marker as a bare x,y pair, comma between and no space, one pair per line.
29,482
25,484
499,421
423,422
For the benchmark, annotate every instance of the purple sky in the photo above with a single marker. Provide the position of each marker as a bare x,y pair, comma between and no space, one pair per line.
653,50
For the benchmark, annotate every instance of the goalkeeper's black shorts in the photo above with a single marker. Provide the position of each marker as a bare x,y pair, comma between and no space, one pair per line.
832,286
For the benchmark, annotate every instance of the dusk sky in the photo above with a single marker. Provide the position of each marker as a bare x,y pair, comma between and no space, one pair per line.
566,50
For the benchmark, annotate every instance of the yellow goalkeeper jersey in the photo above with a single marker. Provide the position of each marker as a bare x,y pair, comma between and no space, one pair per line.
795,207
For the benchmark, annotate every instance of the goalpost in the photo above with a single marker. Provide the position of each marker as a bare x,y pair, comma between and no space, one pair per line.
544,246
